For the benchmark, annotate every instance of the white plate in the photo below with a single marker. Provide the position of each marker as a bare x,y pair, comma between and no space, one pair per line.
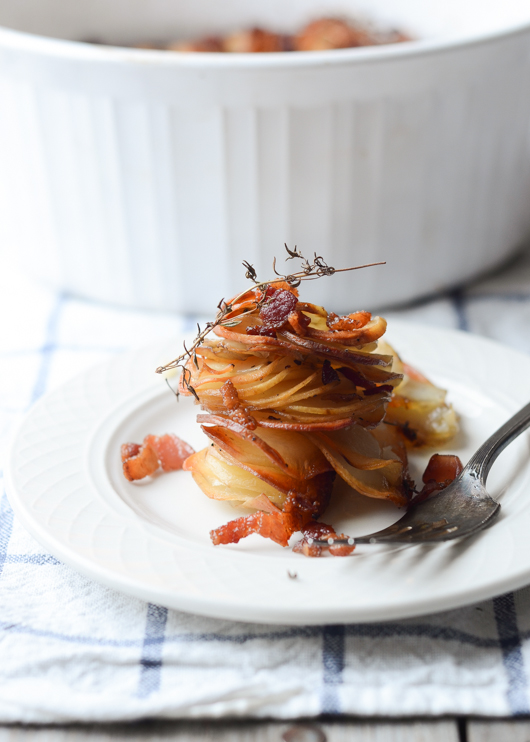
151,539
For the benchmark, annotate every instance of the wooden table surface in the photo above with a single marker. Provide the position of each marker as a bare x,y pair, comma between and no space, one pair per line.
445,730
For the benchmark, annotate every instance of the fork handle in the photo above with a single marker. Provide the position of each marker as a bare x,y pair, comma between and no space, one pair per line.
481,462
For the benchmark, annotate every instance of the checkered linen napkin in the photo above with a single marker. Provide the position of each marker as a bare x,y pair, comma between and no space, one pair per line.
71,650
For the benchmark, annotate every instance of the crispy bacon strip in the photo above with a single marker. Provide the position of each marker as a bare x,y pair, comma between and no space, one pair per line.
166,451
441,470
269,525
236,411
171,450
299,322
142,464
128,450
298,510
318,530
277,307
350,322
275,287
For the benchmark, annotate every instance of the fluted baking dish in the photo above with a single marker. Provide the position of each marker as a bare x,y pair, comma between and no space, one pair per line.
144,178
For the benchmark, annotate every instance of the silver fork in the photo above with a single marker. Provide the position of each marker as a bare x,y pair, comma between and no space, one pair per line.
461,509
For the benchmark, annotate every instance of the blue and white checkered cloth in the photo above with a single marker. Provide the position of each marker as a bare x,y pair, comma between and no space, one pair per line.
71,650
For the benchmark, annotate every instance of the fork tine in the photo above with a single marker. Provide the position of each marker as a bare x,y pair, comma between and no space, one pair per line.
461,509
401,532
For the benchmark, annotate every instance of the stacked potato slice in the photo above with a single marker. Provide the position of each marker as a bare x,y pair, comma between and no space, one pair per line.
292,395
419,407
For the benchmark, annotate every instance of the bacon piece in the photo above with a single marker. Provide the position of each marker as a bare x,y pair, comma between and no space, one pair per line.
329,374
128,450
249,301
313,530
269,525
237,306
271,288
299,322
349,322
309,550
142,464
441,470
230,396
277,307
298,510
167,451
318,530
235,409
171,450
340,550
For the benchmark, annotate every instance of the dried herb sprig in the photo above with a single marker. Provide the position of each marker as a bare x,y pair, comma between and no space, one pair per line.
309,271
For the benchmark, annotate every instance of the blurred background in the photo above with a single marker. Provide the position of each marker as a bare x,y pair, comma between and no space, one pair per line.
142,177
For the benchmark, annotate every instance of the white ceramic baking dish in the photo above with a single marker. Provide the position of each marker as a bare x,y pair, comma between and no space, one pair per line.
145,177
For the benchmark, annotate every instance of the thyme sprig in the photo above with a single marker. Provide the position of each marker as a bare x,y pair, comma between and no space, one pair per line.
309,271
